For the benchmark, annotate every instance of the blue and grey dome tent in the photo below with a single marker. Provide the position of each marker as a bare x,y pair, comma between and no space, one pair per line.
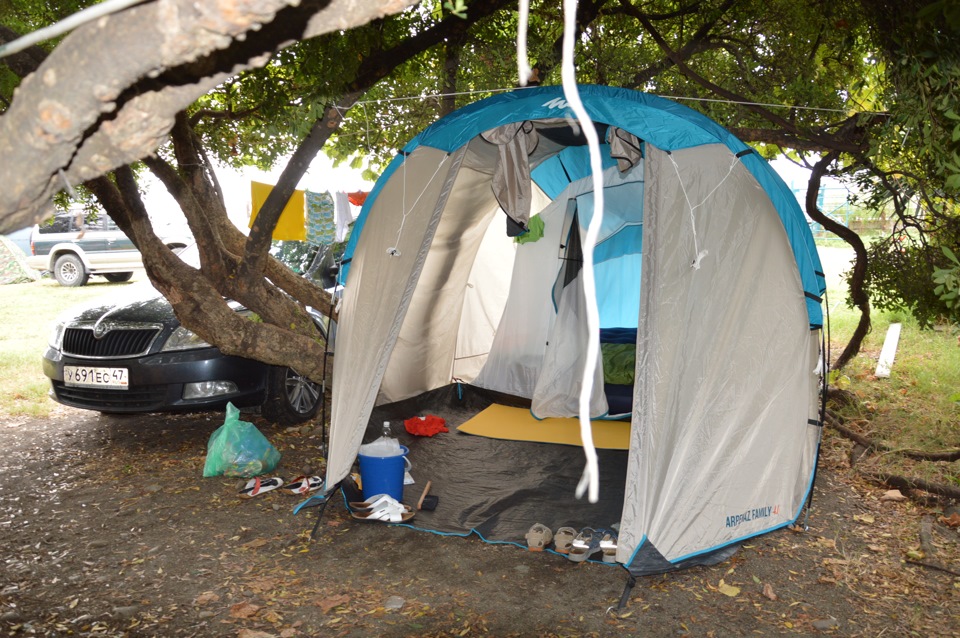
464,266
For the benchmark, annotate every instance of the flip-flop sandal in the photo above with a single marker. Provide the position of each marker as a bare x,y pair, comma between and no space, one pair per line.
375,501
584,545
608,545
387,513
563,539
257,486
538,537
304,484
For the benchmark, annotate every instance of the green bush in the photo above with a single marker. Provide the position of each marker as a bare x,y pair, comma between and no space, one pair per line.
900,279
948,284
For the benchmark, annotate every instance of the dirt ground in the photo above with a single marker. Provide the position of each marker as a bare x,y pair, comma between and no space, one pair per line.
108,529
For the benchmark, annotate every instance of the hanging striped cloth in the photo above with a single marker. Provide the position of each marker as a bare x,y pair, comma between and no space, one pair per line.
321,219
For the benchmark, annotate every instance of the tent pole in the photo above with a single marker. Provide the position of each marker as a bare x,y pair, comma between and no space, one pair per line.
323,387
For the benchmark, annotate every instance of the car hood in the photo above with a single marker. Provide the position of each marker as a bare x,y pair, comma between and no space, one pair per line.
147,307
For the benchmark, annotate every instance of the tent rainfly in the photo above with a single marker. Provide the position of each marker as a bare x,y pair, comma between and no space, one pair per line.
464,266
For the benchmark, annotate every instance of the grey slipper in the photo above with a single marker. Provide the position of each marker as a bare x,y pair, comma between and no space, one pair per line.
538,537
563,539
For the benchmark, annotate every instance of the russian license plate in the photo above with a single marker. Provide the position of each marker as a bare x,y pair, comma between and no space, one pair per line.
92,377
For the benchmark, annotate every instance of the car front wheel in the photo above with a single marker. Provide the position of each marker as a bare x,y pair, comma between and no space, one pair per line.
291,397
69,271
117,277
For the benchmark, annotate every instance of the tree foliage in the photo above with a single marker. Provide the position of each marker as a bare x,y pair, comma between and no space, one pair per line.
838,92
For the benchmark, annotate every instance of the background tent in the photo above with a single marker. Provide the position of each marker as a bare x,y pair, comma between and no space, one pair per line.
706,262
13,264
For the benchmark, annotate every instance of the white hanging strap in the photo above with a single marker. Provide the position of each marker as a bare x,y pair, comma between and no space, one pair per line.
523,63
590,480
700,254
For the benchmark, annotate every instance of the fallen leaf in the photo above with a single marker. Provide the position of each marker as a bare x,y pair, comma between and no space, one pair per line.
244,610
253,633
328,603
952,521
864,518
206,597
768,591
893,495
255,543
728,590
272,616
264,584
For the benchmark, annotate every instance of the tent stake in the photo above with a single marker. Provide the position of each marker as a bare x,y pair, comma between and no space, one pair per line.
627,588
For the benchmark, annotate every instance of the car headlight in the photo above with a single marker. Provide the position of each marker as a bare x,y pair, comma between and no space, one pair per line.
56,335
183,339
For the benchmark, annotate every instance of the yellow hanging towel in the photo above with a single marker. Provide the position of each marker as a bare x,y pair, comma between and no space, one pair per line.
292,223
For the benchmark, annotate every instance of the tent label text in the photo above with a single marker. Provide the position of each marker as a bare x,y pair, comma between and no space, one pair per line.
752,515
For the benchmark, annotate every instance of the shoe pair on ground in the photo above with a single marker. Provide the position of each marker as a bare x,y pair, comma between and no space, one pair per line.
300,485
381,508
577,546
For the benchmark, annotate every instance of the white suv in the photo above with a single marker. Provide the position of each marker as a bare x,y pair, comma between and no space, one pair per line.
77,245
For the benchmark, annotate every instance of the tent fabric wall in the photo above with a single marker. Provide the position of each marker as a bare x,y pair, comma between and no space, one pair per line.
515,361
484,297
713,388
660,122
424,353
724,293
381,288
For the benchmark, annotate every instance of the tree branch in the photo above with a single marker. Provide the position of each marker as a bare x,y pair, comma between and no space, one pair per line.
858,295
831,142
108,106
905,483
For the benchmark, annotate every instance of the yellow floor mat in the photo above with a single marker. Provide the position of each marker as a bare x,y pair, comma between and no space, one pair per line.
517,424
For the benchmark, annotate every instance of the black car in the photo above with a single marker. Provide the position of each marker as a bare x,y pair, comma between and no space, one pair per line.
134,356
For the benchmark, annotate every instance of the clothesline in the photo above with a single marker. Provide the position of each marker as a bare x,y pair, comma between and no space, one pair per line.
679,98
319,218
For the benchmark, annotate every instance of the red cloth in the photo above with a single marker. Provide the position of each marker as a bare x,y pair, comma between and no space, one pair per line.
357,198
425,425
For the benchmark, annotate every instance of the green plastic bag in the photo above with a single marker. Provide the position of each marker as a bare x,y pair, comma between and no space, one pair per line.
238,448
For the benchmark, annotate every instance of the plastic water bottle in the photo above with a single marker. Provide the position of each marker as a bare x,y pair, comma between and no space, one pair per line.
387,432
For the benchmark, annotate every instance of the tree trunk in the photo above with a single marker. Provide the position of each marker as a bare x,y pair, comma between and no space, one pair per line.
857,294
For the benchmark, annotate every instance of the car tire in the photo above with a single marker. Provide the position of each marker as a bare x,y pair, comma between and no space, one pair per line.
291,398
118,277
69,271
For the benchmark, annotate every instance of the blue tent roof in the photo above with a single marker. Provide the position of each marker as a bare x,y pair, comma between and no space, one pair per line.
658,121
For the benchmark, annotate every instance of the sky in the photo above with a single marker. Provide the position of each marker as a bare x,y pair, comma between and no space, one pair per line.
320,176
